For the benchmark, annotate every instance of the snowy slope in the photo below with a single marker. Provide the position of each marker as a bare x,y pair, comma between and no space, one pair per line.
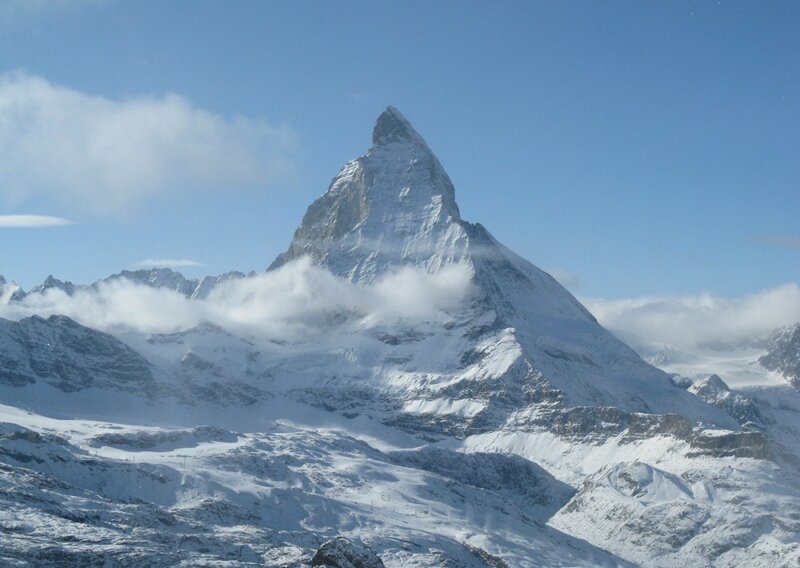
83,492
735,516
503,427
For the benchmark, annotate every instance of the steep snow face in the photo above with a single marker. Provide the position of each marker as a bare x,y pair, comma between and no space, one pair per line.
396,206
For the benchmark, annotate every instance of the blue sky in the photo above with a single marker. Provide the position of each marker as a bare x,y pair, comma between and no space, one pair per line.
645,149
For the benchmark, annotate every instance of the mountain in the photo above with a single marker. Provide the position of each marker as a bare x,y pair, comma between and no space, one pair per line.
783,354
54,283
168,279
49,283
70,357
394,207
505,427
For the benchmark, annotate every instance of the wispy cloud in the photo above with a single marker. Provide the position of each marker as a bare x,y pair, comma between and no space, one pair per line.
32,221
106,155
781,241
700,321
168,263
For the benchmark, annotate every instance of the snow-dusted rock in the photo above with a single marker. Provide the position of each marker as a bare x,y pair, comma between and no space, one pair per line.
51,283
68,356
341,552
715,391
783,354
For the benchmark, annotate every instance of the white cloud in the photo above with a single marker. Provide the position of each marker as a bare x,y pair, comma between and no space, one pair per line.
106,155
168,263
297,302
701,321
32,221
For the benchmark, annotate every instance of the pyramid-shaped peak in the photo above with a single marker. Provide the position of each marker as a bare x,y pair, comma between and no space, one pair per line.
392,127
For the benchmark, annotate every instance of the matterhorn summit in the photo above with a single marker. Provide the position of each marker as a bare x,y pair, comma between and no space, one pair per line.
395,206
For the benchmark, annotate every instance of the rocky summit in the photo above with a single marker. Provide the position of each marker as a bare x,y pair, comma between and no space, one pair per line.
446,403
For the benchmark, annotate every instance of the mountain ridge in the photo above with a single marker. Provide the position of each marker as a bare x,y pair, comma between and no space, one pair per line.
159,278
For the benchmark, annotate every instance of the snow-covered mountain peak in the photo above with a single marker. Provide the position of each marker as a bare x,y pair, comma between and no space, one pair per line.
51,282
158,278
393,128
394,205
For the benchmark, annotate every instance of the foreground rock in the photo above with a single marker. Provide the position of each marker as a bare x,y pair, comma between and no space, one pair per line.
342,552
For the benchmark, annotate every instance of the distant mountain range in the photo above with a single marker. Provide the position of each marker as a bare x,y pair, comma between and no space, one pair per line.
160,278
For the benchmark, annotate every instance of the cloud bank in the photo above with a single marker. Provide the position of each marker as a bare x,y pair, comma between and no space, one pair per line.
298,302
302,301
106,155
700,322
32,221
